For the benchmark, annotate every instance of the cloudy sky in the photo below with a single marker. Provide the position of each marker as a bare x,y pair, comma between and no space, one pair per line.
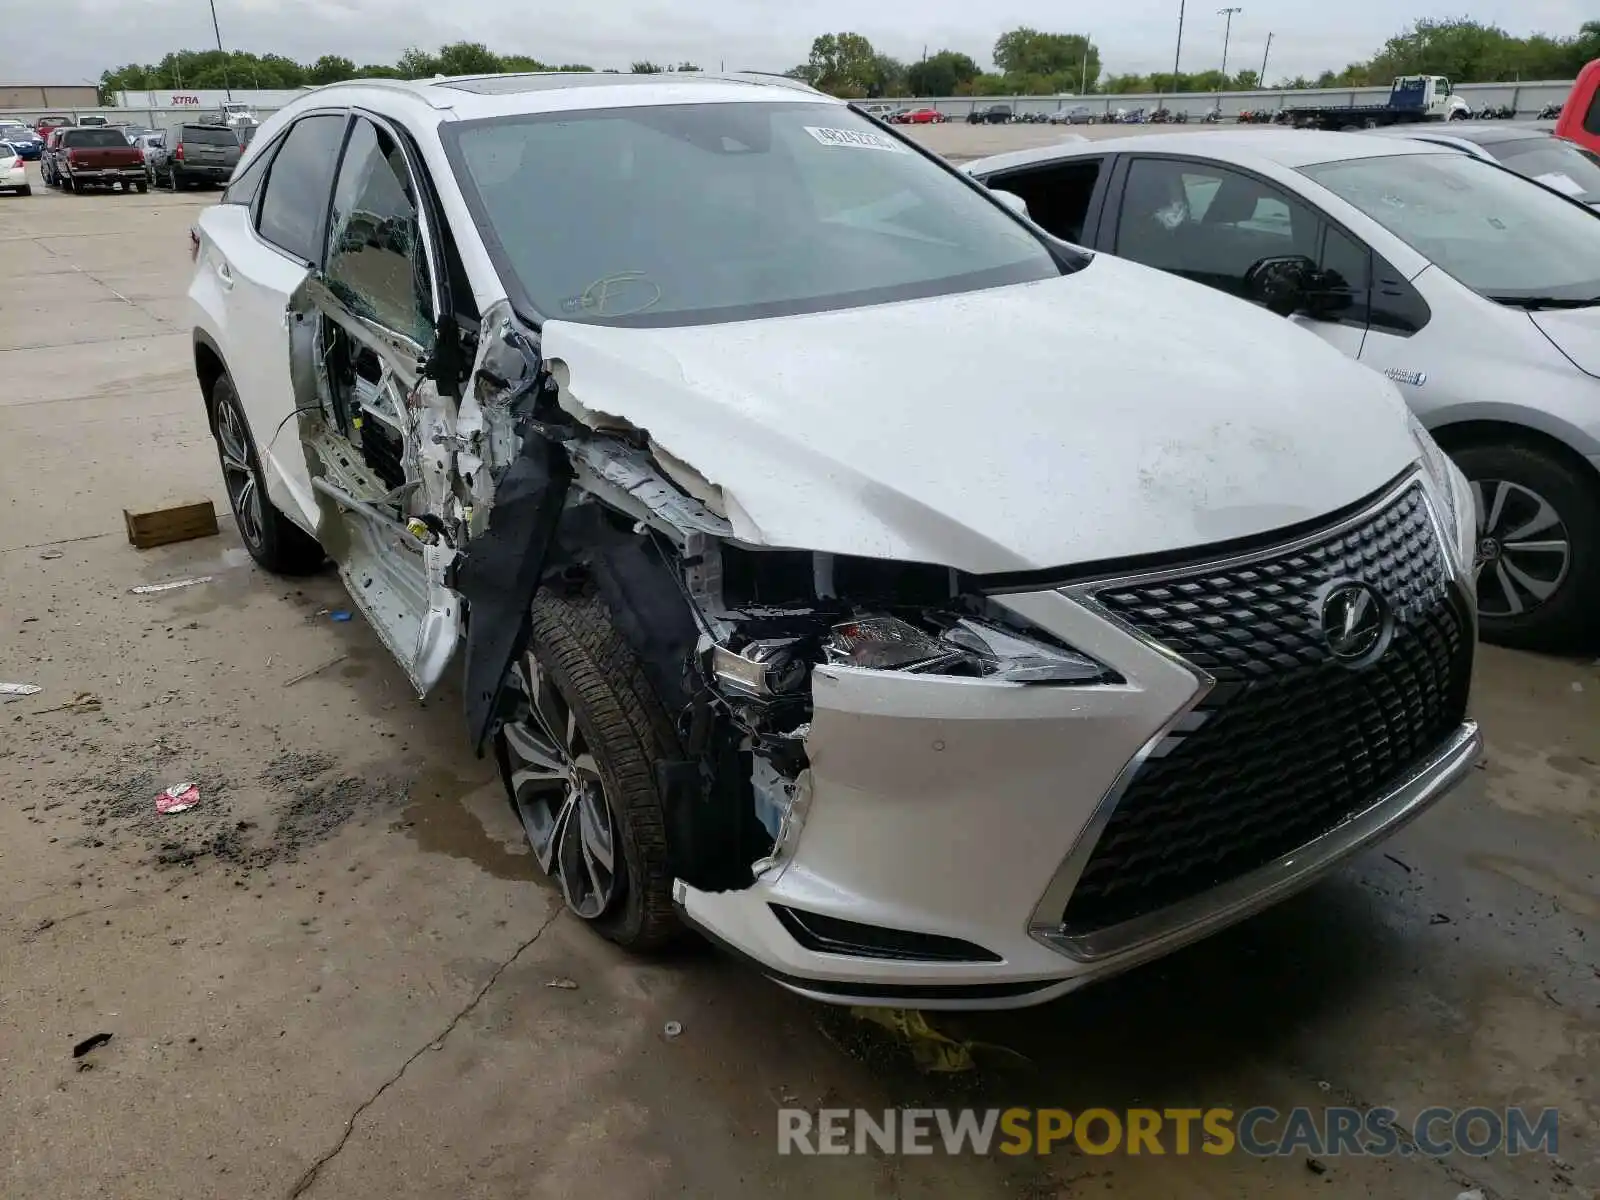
80,38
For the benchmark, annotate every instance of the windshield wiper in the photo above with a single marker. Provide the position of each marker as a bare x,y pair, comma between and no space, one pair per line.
1535,302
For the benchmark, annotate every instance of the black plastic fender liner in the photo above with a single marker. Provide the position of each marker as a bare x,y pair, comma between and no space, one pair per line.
503,569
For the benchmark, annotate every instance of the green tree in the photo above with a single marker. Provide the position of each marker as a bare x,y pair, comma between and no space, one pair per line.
377,71
1026,51
578,67
1126,85
941,74
417,64
844,64
888,77
687,67
330,68
521,62
467,58
1245,81
645,68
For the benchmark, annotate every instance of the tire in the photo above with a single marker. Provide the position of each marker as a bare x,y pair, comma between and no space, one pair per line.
587,674
70,184
172,179
25,190
273,540
141,187
1567,618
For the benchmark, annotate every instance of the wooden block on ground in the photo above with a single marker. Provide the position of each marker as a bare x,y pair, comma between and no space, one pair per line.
177,523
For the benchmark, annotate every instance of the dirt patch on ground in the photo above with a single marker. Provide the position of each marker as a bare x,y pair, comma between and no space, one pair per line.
292,803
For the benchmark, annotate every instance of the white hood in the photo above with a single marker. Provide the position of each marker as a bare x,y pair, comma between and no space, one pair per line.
1108,413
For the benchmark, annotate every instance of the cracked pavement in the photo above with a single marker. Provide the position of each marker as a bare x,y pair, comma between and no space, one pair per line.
334,977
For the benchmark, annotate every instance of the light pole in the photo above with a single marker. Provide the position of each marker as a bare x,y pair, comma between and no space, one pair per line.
1263,80
227,86
1178,52
1227,32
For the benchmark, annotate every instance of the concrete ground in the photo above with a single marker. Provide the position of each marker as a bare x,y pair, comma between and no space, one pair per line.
339,977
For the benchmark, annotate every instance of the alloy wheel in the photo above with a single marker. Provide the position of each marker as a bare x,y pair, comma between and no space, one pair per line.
244,489
559,795
1523,552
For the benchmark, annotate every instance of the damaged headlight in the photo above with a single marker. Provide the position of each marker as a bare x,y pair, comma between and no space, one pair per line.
1451,486
967,646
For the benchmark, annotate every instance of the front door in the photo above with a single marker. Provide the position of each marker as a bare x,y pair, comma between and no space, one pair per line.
380,444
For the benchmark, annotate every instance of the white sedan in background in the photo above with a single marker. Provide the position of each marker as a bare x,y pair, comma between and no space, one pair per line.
1475,290
13,171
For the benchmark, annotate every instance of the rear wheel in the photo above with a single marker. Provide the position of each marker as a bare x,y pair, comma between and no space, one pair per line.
578,760
1538,555
273,540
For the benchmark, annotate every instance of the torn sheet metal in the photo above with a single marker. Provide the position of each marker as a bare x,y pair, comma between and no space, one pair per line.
626,477
20,689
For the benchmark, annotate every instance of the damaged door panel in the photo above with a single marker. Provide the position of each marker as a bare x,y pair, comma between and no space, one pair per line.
380,440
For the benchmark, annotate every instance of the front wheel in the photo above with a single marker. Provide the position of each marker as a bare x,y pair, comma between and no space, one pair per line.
578,760
273,540
1538,553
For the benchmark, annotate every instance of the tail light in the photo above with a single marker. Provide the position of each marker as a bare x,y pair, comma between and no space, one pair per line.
178,153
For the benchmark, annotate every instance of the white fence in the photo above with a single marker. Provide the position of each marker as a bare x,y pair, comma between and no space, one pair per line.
1526,98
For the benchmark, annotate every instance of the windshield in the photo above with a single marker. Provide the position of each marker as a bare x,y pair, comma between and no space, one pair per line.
1554,163
209,135
14,132
85,139
1485,226
696,213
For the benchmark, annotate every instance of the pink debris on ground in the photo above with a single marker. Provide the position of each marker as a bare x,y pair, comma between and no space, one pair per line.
178,797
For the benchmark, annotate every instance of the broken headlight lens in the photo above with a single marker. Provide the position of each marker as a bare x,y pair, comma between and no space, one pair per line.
1451,486
966,647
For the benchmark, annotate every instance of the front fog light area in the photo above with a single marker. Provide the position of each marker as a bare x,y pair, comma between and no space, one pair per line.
1450,484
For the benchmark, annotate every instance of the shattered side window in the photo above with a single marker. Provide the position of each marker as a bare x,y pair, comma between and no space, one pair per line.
376,263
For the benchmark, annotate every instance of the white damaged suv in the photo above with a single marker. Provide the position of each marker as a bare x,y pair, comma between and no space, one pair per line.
931,611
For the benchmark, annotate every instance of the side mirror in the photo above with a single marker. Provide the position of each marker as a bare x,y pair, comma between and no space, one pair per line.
1011,200
1282,285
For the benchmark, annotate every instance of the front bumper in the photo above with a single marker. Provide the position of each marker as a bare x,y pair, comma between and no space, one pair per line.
967,809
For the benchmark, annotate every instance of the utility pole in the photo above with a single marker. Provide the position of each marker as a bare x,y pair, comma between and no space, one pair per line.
1227,32
1178,52
1263,80
1083,71
227,86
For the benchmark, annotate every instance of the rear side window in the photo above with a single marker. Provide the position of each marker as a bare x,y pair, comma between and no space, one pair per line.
92,139
246,184
209,136
1591,120
1058,194
298,186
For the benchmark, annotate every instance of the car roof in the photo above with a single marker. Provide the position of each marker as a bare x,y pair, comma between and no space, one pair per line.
1280,147
1482,133
469,97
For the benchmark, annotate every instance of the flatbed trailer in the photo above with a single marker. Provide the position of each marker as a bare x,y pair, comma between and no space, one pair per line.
1412,99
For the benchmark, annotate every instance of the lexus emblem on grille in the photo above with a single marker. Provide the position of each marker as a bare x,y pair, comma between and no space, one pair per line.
1355,621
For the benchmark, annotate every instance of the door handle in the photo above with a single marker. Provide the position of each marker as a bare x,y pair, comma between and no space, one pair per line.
225,274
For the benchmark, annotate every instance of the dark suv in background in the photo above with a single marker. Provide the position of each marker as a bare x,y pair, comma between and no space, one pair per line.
194,154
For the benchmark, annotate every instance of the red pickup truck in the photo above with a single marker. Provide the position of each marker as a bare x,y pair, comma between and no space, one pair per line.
81,158
1580,116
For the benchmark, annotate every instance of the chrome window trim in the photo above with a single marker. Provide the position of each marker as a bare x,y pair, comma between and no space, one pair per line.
1149,935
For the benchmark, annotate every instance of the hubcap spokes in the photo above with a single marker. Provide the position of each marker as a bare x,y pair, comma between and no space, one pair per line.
237,474
559,795
1524,550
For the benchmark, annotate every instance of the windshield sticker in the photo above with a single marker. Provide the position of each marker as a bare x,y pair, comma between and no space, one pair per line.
1561,182
859,139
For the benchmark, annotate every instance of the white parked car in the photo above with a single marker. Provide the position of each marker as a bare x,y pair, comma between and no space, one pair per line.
13,171
929,610
1474,290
